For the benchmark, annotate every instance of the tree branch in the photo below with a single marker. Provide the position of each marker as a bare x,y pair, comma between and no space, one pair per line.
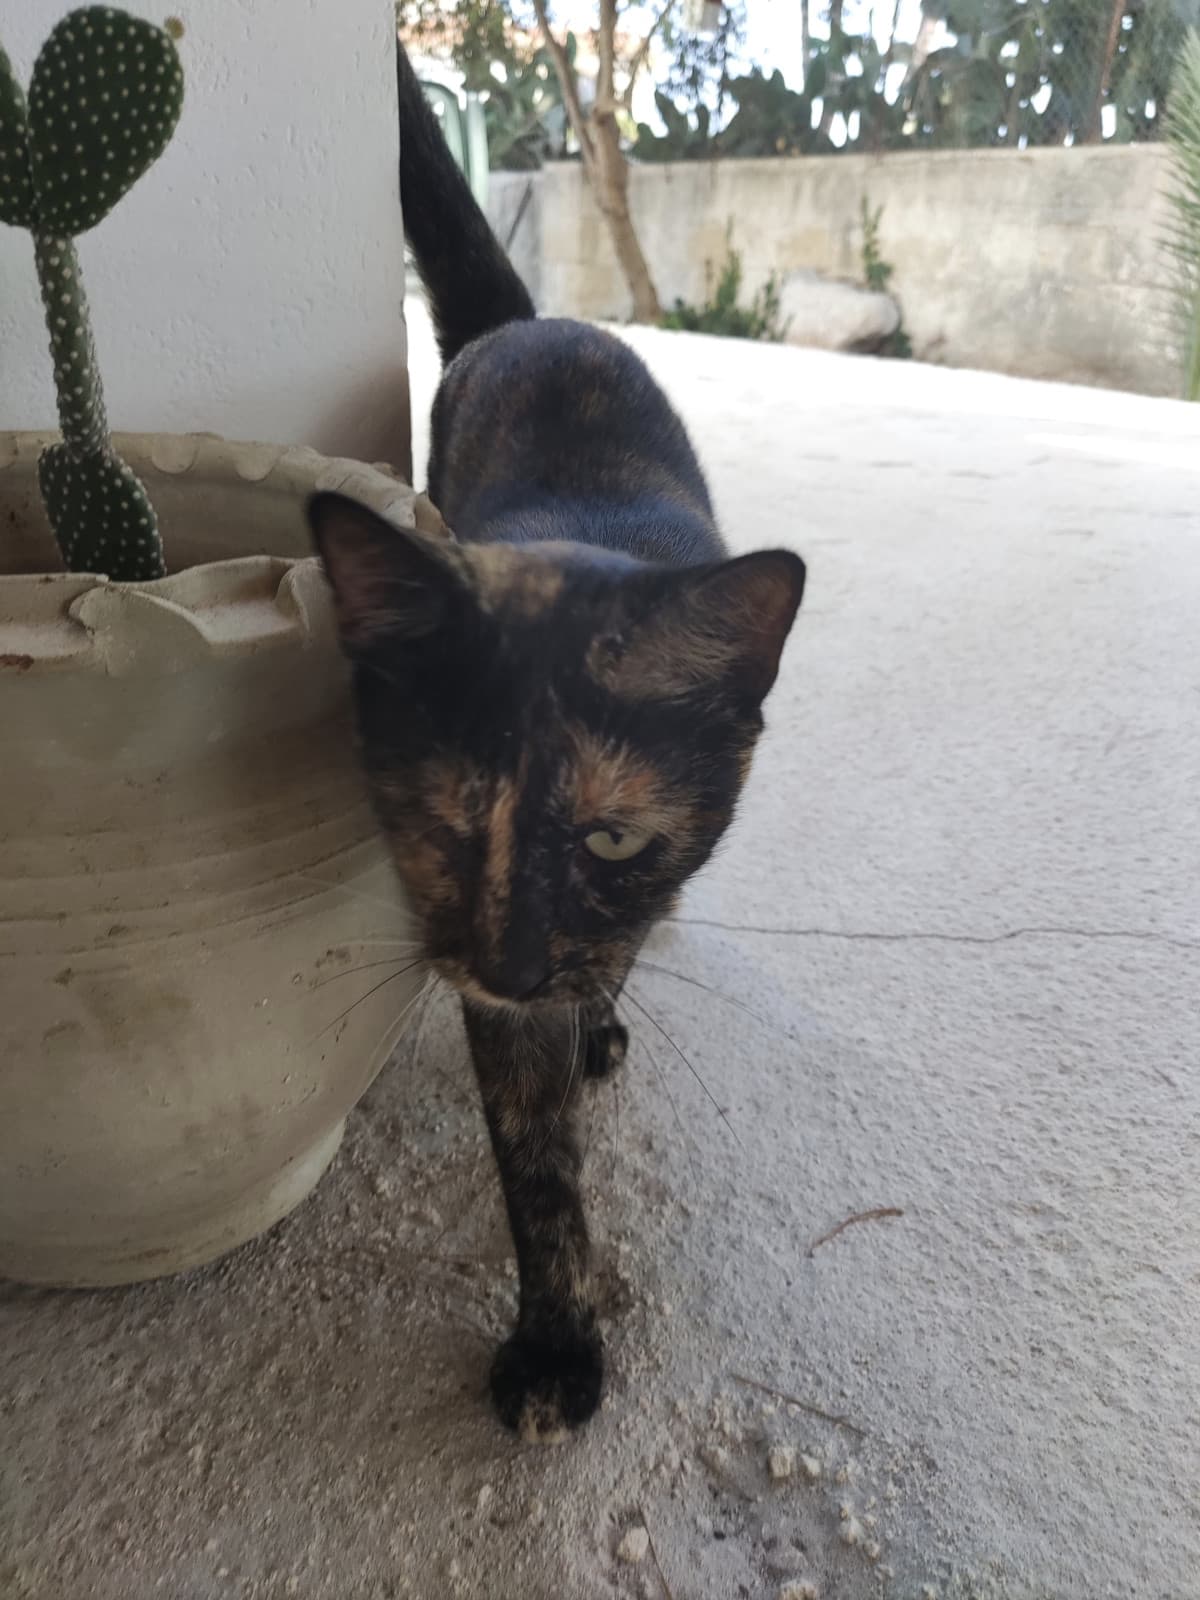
638,60
607,42
569,85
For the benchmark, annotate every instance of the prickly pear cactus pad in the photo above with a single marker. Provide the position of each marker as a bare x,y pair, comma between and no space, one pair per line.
16,175
83,493
105,95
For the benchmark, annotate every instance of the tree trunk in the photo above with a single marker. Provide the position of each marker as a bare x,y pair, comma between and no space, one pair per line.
922,45
1094,131
805,40
612,196
835,26
603,159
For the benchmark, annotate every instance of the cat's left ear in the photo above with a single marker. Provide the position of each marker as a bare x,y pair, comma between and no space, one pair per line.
717,627
389,585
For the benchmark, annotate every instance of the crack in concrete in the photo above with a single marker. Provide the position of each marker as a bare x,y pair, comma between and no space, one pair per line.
869,936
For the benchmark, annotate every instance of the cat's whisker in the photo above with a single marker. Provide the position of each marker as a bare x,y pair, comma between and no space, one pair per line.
397,1028
391,906
572,1061
654,1022
374,989
666,1088
719,994
433,990
367,966
587,1143
457,1222
616,1126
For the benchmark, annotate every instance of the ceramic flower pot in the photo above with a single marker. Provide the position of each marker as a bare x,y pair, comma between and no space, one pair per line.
192,889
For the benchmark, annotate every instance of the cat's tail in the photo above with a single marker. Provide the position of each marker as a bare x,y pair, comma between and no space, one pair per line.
470,281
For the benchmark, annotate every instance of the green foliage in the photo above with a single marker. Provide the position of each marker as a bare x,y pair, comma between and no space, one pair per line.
105,97
525,118
721,313
771,119
981,89
684,139
513,76
1183,241
1018,73
877,275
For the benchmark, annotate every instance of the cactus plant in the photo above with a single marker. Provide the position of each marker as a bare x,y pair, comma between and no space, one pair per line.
105,95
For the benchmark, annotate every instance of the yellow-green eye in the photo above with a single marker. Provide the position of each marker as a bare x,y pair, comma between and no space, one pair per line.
616,844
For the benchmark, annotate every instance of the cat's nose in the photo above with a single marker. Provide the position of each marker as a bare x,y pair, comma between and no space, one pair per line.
518,970
515,981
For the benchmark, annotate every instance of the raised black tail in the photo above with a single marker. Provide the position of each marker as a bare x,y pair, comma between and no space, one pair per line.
470,281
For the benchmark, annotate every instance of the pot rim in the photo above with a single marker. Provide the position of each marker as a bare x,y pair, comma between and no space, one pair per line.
52,621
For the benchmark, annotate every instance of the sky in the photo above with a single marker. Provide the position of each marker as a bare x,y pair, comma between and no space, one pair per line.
773,29
772,38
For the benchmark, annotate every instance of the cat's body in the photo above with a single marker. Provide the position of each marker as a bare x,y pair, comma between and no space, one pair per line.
554,430
557,715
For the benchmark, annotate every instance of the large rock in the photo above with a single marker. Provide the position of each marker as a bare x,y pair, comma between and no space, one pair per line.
835,316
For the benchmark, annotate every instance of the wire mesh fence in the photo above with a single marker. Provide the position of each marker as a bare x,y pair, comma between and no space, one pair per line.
1042,72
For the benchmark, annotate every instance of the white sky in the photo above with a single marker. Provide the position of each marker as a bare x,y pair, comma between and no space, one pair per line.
773,31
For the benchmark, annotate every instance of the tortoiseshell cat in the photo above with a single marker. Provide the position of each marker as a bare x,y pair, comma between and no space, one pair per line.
557,715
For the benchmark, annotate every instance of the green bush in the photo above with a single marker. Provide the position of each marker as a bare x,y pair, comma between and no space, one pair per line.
877,274
721,313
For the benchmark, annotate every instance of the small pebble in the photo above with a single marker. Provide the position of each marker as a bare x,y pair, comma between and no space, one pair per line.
781,1461
798,1589
633,1546
811,1467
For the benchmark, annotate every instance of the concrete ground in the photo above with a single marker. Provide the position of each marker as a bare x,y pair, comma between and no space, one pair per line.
948,968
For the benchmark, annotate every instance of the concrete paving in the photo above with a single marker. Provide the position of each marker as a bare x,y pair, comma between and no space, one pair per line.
963,906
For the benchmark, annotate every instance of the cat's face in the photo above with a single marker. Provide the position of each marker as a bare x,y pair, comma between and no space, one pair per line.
555,737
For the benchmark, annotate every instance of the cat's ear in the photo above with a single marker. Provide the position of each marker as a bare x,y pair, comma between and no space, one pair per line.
388,584
720,626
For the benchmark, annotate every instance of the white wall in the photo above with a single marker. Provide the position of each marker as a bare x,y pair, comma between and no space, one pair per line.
251,283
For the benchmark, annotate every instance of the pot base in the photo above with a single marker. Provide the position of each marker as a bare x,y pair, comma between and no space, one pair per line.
178,1247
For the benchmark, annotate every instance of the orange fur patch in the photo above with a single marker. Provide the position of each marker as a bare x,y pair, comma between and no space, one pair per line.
499,862
606,781
525,584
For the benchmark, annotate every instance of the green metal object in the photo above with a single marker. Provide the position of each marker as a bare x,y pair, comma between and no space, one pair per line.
466,134
104,99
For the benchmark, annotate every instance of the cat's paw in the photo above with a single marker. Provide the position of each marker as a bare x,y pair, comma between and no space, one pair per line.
605,1050
543,1386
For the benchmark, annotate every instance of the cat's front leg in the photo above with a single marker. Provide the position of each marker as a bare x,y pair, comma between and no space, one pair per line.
546,1378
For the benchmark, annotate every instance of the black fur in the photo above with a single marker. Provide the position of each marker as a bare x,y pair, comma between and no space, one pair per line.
584,669
467,273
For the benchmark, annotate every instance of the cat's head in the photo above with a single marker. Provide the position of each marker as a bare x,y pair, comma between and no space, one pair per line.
555,736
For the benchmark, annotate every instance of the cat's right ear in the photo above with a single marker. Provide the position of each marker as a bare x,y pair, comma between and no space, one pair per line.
389,585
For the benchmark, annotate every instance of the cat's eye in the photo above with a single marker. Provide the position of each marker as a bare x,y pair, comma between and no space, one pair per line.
616,844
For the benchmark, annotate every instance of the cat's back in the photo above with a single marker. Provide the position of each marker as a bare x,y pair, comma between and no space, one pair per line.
550,415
